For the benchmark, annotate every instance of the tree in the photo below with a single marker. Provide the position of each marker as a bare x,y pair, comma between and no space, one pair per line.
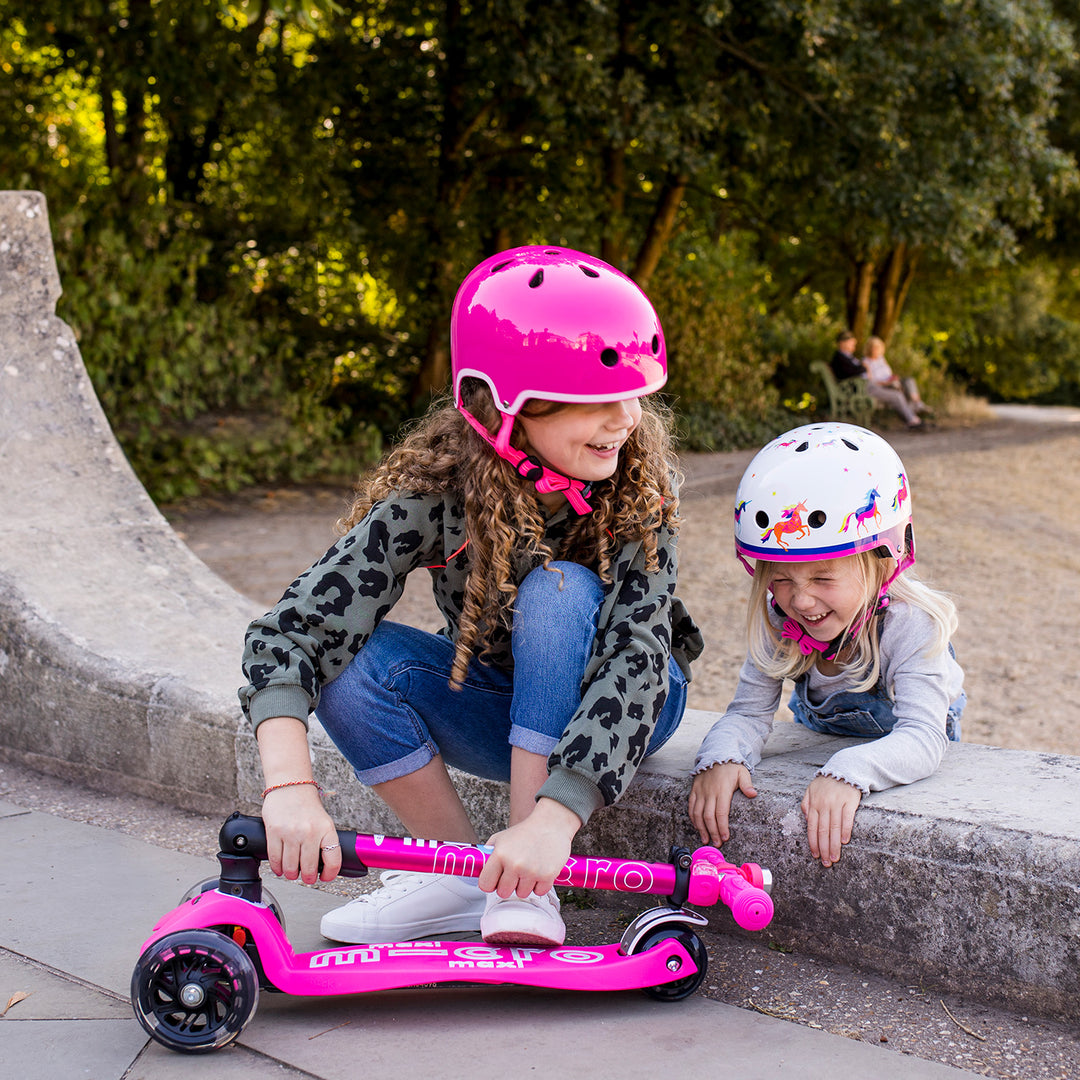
934,116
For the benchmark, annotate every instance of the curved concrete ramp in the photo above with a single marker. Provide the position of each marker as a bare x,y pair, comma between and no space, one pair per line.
118,647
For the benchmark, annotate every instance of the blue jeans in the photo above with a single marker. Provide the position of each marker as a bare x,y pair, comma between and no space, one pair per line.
391,710
868,714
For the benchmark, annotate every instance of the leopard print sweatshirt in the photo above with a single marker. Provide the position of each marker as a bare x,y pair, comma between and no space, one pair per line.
328,613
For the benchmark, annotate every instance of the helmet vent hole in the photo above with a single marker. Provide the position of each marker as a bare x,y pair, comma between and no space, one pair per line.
816,519
501,266
536,280
588,271
802,447
656,344
609,358
762,519
850,445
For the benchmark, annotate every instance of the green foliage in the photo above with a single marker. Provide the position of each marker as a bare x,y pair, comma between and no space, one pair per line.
199,396
708,301
262,208
1015,342
721,371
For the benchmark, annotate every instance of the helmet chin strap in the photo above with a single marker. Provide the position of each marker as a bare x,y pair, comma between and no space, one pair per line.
527,467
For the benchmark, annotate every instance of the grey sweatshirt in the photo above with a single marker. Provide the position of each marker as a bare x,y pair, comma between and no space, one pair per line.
922,688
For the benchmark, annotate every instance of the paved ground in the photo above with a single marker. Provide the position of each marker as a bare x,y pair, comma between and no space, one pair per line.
96,870
87,873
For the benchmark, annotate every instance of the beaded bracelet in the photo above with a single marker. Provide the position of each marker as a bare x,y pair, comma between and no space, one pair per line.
292,783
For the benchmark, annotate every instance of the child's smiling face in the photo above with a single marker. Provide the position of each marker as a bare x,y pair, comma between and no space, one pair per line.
823,597
582,439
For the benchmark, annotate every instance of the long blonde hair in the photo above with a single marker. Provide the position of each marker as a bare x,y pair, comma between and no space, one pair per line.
504,521
860,659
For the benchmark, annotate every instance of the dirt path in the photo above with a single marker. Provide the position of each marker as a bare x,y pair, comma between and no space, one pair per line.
997,517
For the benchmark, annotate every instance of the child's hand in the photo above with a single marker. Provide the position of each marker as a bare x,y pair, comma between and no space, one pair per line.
529,856
829,805
710,799
296,828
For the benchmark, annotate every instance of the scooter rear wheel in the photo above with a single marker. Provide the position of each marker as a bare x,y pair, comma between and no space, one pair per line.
194,991
682,987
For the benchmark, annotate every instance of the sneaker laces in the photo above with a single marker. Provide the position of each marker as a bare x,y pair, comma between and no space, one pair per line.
549,899
393,884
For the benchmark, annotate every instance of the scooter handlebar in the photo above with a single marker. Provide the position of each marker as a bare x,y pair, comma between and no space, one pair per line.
713,878
245,835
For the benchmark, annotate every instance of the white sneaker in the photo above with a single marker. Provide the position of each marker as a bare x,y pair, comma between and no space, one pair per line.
408,906
534,920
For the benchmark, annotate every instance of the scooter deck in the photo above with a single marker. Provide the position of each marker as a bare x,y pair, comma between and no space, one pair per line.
354,969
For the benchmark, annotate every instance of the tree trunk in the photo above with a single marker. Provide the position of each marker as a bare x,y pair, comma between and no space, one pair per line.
613,242
435,363
894,282
888,289
660,229
859,287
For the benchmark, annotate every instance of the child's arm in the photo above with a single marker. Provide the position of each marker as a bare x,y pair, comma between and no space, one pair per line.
730,750
297,826
829,806
922,687
710,799
528,856
625,683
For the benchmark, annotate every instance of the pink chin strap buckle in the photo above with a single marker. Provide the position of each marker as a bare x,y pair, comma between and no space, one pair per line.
527,467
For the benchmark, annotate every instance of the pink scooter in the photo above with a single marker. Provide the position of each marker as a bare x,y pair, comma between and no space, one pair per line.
196,985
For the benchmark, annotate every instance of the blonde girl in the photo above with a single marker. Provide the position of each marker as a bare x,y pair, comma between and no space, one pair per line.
823,523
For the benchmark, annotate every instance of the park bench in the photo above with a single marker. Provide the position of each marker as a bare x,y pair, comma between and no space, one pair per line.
848,398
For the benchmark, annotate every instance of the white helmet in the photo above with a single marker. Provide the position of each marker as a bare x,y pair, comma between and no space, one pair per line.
823,491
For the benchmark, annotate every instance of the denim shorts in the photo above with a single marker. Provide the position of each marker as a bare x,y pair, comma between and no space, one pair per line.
391,710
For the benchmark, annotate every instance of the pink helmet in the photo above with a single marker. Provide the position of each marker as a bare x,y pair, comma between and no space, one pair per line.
556,324
544,322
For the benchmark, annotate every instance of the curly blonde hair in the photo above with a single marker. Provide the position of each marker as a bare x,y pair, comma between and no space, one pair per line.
861,658
504,521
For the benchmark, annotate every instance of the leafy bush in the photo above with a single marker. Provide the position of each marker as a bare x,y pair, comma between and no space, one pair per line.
1013,338
200,395
720,371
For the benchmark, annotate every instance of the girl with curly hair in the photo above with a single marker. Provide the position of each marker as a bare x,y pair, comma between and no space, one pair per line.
542,502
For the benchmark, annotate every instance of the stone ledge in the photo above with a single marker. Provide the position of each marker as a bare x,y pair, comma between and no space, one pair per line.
118,655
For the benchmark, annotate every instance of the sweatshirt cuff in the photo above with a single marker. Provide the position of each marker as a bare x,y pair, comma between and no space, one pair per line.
278,701
574,791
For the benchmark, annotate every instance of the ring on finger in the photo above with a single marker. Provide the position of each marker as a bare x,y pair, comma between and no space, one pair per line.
330,847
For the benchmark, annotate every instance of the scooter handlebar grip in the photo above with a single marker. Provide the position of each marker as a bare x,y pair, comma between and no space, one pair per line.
751,907
753,911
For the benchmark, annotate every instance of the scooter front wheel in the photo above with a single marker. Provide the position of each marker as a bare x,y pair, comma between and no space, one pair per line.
194,990
684,986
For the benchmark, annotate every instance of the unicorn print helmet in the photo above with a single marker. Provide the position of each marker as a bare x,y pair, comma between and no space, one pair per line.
823,491
551,323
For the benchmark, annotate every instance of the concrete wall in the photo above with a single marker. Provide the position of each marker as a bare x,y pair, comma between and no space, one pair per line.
119,657
117,645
